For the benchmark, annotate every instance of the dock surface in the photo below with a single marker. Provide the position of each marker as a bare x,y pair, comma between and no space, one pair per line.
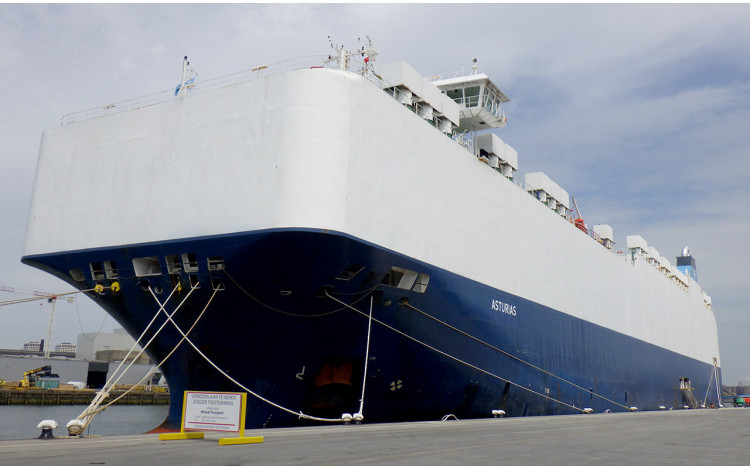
679,437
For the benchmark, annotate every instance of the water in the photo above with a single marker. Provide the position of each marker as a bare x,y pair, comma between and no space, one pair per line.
19,421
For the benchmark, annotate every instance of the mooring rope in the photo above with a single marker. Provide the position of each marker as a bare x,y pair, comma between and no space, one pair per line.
153,369
512,356
94,407
313,315
455,358
708,387
114,377
174,348
714,375
251,392
367,357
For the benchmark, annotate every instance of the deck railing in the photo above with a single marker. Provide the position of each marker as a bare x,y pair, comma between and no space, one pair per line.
213,84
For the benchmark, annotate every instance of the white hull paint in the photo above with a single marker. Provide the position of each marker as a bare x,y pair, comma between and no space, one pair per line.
325,149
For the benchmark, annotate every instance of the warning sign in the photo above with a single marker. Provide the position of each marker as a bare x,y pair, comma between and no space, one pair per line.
213,411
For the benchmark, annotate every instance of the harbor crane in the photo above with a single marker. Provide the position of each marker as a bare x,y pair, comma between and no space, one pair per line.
30,377
38,295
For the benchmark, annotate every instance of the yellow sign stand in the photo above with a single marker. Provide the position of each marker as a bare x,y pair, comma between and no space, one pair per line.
241,439
200,435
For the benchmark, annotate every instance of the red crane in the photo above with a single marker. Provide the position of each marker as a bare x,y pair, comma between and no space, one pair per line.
579,221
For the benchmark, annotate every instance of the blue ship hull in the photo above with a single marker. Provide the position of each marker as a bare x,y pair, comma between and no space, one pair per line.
460,347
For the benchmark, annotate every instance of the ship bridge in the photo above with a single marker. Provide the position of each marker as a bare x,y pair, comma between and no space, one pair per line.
479,99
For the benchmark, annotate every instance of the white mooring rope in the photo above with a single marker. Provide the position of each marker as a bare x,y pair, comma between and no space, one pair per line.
251,392
84,419
78,425
455,358
367,359
515,357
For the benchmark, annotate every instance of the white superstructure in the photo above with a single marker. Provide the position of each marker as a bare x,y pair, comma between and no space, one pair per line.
197,165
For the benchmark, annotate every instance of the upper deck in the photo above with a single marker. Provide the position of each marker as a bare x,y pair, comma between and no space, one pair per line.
479,99
330,150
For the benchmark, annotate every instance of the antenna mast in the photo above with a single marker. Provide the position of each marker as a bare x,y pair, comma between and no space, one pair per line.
187,78
185,64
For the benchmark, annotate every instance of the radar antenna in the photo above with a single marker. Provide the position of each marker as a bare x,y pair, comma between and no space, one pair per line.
371,52
368,54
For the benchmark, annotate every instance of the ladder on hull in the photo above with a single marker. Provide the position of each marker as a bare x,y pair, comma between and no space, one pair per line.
687,393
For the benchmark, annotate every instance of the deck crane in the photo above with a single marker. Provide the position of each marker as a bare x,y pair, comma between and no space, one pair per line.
579,221
38,295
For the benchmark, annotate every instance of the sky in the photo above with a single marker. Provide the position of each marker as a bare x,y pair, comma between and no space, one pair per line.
639,111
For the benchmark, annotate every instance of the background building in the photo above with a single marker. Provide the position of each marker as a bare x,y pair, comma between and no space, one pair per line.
92,361
744,387
91,343
65,347
118,355
32,346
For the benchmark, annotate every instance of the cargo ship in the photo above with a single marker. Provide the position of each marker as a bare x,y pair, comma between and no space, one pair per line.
348,240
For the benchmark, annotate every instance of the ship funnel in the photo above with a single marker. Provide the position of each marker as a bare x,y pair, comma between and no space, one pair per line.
686,263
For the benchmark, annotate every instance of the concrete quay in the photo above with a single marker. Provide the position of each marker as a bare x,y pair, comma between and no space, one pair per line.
38,396
679,437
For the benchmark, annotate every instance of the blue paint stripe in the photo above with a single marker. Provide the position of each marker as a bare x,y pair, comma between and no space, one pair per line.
270,322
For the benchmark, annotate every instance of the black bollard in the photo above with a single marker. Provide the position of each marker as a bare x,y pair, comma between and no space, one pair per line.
47,426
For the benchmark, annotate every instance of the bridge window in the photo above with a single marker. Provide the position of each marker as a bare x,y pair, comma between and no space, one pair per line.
490,101
471,96
456,95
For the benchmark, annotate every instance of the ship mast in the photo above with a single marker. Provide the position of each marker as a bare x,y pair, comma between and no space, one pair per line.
188,78
343,56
